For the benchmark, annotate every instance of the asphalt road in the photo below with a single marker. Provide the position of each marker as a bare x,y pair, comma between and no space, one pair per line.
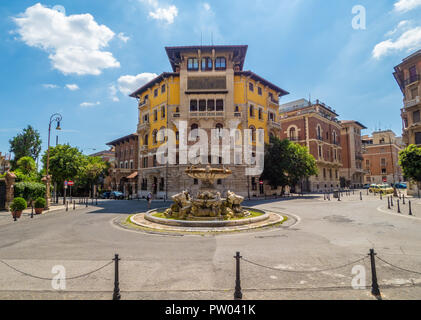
328,234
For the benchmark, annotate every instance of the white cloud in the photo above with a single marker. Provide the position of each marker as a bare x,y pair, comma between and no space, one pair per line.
113,93
122,37
50,86
74,42
207,6
72,87
407,5
402,26
409,40
160,12
128,84
89,104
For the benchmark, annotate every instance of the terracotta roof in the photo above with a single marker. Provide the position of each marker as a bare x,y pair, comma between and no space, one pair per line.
119,140
353,121
256,77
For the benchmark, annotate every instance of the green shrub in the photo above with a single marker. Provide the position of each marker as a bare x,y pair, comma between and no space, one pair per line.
30,190
40,203
18,204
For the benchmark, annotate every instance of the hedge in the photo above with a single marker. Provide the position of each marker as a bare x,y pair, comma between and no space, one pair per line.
30,190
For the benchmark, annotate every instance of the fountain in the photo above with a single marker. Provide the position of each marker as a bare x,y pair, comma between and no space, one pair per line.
208,204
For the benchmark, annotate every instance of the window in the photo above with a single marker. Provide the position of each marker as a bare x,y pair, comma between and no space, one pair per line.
416,116
336,174
319,132
219,181
145,140
320,151
131,164
155,93
177,136
253,133
251,87
154,161
414,93
192,64
271,116
207,64
211,105
155,115
259,91
417,137
145,162
324,172
162,184
292,134
195,181
126,165
251,111
144,185
412,74
155,137
383,162
121,165
202,105
220,63
193,105
146,118
163,88
162,112
384,171
219,105
253,184
260,114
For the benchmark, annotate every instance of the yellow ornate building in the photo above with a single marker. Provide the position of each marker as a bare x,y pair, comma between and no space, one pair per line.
206,89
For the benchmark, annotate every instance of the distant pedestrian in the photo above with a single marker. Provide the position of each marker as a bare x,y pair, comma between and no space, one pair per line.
149,199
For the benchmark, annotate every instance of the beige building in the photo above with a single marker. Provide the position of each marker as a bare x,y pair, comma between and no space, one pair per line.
381,157
207,89
316,126
352,172
407,74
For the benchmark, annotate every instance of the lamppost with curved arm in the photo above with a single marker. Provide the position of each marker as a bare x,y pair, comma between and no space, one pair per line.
54,118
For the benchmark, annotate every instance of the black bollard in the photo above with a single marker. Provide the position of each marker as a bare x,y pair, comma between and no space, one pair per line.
116,293
399,207
375,290
237,294
391,201
32,211
388,203
381,196
14,217
67,205
410,207
361,196
86,203
403,200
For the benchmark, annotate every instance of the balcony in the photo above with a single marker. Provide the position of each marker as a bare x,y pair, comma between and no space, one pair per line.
142,127
274,125
144,103
143,148
412,79
206,114
273,101
294,139
414,102
320,138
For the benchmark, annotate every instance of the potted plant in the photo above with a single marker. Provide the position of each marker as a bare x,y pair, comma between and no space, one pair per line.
17,207
39,205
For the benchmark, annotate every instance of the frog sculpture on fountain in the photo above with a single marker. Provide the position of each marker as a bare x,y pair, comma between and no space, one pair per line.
208,203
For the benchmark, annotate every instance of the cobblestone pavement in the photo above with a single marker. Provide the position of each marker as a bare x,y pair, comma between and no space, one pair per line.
328,234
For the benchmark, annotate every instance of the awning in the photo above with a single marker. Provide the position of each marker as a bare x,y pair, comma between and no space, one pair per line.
132,176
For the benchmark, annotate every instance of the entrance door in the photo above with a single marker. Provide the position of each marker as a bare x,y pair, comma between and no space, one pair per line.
2,195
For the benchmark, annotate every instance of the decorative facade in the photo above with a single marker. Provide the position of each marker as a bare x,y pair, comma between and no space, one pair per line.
352,172
381,157
206,89
317,127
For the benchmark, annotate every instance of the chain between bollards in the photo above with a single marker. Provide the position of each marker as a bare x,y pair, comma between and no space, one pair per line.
116,293
237,293
375,290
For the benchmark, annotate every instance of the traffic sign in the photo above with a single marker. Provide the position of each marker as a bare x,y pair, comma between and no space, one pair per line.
70,183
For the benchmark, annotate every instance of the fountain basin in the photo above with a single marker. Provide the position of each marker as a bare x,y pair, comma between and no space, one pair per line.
208,223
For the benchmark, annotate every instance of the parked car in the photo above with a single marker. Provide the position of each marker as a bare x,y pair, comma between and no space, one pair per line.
106,195
366,186
373,188
116,195
385,189
400,185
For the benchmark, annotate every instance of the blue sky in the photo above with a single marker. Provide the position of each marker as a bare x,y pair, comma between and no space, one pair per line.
81,58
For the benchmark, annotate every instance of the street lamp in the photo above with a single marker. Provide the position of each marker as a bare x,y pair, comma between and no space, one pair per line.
54,118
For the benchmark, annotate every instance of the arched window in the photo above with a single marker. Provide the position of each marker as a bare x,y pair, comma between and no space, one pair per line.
194,127
292,134
319,132
334,137
146,140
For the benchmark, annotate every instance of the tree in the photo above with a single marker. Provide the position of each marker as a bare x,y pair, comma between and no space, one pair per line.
66,163
26,170
93,169
410,162
287,163
25,144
